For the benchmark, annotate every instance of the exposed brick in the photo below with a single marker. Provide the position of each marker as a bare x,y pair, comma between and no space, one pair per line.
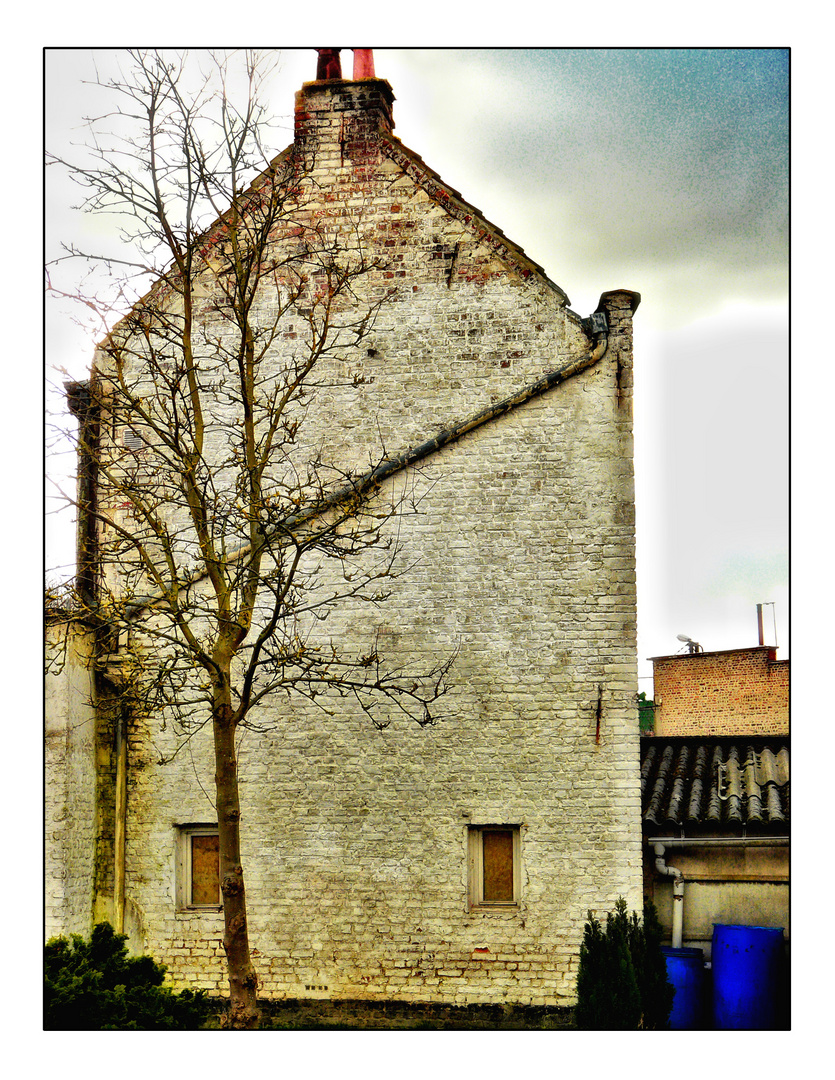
733,692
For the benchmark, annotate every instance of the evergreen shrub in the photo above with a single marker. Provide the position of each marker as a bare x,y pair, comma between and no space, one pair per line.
95,986
622,981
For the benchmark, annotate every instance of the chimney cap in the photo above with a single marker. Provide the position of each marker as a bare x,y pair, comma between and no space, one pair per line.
364,64
328,65
634,298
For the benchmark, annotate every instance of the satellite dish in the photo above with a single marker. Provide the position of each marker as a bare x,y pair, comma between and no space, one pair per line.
683,637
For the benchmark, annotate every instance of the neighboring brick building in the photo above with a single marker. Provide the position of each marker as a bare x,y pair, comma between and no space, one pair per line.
715,795
362,847
732,692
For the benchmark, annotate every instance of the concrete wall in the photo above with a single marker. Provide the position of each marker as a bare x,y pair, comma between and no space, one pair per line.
737,886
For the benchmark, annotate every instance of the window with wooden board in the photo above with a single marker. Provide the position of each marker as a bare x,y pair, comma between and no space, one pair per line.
494,866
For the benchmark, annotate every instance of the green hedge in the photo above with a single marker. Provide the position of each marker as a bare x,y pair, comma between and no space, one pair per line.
622,981
95,986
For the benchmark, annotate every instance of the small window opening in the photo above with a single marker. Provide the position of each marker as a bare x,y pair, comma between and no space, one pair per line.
494,866
199,867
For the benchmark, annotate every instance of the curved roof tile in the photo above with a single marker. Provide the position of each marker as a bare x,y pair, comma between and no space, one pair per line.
703,781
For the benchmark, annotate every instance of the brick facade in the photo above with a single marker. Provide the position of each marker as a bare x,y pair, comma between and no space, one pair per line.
521,554
70,791
734,692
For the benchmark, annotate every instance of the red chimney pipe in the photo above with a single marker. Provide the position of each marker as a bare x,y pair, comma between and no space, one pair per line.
760,623
364,64
328,65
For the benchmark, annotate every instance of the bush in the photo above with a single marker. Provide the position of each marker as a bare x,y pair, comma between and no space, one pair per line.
622,982
95,986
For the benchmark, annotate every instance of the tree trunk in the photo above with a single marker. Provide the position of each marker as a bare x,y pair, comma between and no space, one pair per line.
243,980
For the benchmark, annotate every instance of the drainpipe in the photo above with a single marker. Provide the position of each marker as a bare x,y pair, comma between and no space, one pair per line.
678,893
119,830
660,844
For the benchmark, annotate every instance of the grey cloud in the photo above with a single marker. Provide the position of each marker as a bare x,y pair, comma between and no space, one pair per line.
649,159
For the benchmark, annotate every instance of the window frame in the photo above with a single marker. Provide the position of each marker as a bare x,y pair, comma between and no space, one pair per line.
475,864
185,883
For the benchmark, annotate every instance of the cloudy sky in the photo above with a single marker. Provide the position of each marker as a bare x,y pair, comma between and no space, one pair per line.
663,171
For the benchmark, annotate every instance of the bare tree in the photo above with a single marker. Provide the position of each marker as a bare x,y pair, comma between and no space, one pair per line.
214,538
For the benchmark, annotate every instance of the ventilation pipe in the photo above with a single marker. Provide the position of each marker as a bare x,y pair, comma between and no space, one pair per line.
678,893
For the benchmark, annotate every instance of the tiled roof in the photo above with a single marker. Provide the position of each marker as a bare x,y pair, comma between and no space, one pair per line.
714,782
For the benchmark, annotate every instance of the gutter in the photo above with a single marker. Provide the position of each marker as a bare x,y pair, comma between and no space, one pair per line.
720,841
361,484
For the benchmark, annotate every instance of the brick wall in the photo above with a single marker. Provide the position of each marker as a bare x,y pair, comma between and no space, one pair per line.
69,781
520,555
734,692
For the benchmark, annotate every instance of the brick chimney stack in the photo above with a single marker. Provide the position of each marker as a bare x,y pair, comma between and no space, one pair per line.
340,119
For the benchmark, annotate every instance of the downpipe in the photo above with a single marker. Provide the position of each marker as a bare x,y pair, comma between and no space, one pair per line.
120,824
678,892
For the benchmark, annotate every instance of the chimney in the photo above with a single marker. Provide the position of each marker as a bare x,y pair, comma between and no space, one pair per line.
363,64
338,120
328,66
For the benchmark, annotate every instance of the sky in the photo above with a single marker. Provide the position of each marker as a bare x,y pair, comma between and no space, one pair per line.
659,170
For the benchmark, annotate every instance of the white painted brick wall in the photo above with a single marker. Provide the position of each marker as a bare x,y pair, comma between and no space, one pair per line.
354,839
69,782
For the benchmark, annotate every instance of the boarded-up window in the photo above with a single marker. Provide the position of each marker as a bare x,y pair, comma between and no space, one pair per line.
205,872
497,864
494,865
198,873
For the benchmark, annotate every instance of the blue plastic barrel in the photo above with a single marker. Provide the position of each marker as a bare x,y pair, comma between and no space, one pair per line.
685,970
746,970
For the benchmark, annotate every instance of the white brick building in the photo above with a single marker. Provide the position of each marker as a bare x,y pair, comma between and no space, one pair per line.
454,863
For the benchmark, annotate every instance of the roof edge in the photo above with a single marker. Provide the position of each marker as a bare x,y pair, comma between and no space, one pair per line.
718,652
444,194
